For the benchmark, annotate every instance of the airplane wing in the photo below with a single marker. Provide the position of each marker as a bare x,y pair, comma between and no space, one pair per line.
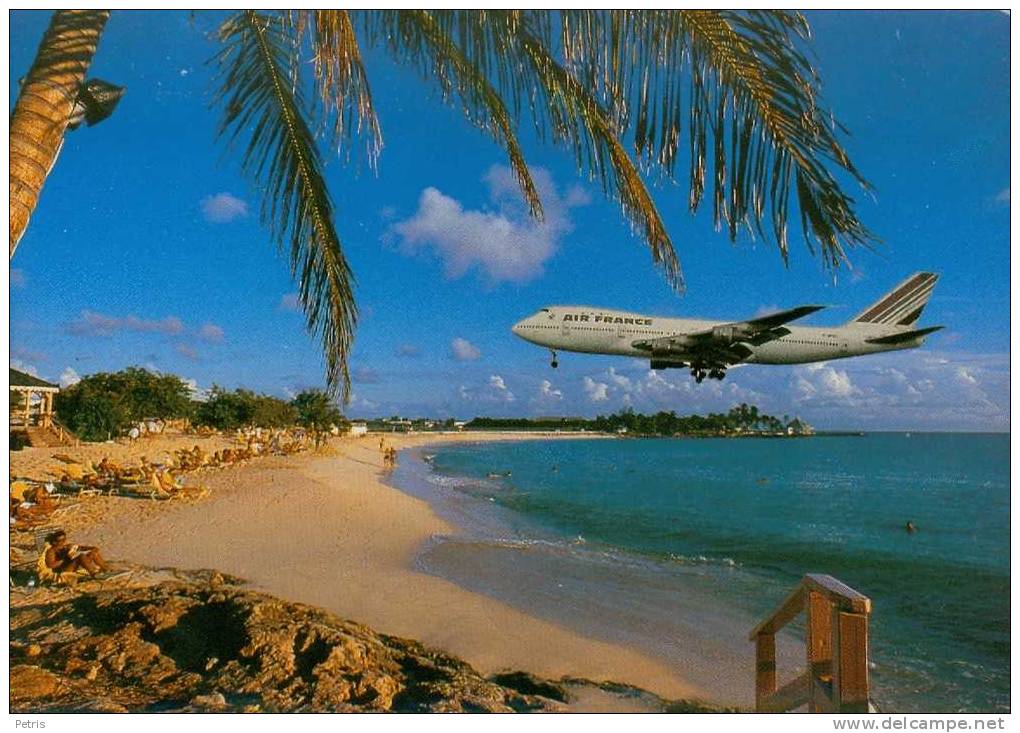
726,343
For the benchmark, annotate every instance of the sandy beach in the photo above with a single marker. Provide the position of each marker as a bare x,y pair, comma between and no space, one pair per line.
327,531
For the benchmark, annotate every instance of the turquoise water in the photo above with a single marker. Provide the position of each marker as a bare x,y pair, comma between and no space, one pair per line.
612,535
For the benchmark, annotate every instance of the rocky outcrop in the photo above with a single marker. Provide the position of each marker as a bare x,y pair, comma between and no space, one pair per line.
176,646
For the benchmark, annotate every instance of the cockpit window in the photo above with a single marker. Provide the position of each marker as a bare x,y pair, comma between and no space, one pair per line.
544,310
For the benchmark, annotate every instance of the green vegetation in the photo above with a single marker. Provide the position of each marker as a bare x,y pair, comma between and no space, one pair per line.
315,409
105,405
740,420
230,410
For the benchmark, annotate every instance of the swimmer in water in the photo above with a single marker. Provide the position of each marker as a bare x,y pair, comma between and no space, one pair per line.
910,528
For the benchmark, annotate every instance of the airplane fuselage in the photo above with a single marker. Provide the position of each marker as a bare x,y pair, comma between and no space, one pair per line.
590,330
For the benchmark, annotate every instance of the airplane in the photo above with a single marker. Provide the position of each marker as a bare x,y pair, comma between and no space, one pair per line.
710,347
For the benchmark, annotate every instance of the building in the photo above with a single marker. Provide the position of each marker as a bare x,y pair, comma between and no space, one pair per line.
358,429
31,400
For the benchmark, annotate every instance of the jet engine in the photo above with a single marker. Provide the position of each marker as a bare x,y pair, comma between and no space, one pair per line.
731,333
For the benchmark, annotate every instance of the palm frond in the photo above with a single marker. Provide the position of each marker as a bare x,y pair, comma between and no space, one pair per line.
344,92
742,89
578,120
434,42
261,104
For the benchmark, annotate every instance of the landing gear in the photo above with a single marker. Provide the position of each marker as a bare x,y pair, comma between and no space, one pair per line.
554,363
699,373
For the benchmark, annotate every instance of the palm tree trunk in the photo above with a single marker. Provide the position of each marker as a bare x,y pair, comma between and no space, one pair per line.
45,104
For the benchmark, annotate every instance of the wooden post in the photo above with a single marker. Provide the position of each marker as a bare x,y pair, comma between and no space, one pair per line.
28,407
852,673
819,652
765,669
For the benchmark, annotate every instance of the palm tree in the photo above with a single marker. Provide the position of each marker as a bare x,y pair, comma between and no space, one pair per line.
45,104
629,93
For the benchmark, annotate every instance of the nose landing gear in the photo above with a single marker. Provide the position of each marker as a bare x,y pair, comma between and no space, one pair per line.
554,363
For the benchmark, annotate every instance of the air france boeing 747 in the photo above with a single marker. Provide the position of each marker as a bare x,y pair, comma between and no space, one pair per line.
709,347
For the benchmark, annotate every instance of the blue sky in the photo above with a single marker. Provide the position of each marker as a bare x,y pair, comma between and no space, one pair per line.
146,246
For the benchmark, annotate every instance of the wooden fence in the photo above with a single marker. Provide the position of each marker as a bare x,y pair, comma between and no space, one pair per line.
836,678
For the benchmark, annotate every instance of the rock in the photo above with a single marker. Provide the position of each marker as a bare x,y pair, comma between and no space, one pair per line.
140,647
104,706
33,650
215,701
29,682
529,684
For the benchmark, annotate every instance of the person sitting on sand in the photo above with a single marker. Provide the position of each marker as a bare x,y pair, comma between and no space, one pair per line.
40,497
27,512
62,557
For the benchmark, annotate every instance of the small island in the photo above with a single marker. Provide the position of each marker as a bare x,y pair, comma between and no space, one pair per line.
742,421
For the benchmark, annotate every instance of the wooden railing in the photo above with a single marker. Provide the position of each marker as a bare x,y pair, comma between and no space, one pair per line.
836,678
64,435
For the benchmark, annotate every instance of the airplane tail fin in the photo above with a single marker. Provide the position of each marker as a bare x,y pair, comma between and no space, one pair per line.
902,305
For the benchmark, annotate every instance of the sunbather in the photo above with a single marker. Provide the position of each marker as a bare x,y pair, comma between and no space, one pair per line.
62,557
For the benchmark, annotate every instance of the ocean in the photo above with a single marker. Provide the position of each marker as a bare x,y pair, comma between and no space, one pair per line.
679,547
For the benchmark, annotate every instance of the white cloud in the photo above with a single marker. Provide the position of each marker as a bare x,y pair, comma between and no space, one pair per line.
99,324
620,380
495,391
289,302
357,402
499,390
69,377
408,351
17,277
464,350
963,374
197,393
211,332
25,367
596,391
188,352
506,243
223,208
1002,197
547,392
837,383
820,382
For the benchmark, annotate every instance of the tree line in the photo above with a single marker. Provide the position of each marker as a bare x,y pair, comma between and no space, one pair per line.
742,419
106,405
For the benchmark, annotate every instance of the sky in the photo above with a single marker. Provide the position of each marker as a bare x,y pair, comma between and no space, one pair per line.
146,247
